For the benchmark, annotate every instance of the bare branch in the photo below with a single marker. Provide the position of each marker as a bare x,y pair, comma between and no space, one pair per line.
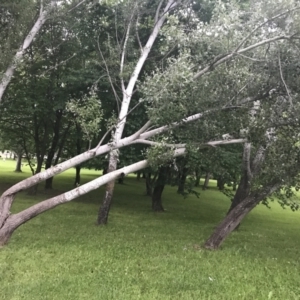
137,34
158,10
250,58
225,142
283,81
152,143
108,74
57,65
262,24
76,6
116,30
124,50
142,130
229,56
41,7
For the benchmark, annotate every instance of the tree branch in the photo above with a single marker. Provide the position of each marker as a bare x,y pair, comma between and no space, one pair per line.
229,56
108,74
7,76
281,75
262,24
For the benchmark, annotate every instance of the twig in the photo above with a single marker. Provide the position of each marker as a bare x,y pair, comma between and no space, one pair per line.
109,77
137,34
281,75
157,11
124,52
77,5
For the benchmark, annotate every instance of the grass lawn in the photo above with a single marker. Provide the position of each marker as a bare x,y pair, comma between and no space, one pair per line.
61,254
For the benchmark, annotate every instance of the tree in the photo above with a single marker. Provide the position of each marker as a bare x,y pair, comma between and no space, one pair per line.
217,60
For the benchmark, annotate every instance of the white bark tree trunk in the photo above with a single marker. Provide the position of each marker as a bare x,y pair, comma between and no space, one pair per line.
127,95
7,76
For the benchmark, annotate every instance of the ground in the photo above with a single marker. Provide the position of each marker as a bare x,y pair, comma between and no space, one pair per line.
143,255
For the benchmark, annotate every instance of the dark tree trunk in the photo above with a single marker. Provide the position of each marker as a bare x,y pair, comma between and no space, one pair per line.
77,176
242,191
234,185
19,163
54,144
121,179
33,190
181,180
51,154
156,198
220,183
230,222
106,203
149,184
206,181
198,177
159,188
138,176
49,183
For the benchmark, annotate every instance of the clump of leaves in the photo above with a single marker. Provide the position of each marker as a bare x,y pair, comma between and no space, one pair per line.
87,113
160,155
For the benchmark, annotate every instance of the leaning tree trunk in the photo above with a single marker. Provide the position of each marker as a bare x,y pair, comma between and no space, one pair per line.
19,163
149,184
242,191
106,203
229,223
237,214
159,188
10,222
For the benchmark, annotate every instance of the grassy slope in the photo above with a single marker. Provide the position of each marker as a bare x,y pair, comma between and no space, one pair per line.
141,255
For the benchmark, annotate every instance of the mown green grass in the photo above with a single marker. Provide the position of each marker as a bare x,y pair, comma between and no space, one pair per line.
61,254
